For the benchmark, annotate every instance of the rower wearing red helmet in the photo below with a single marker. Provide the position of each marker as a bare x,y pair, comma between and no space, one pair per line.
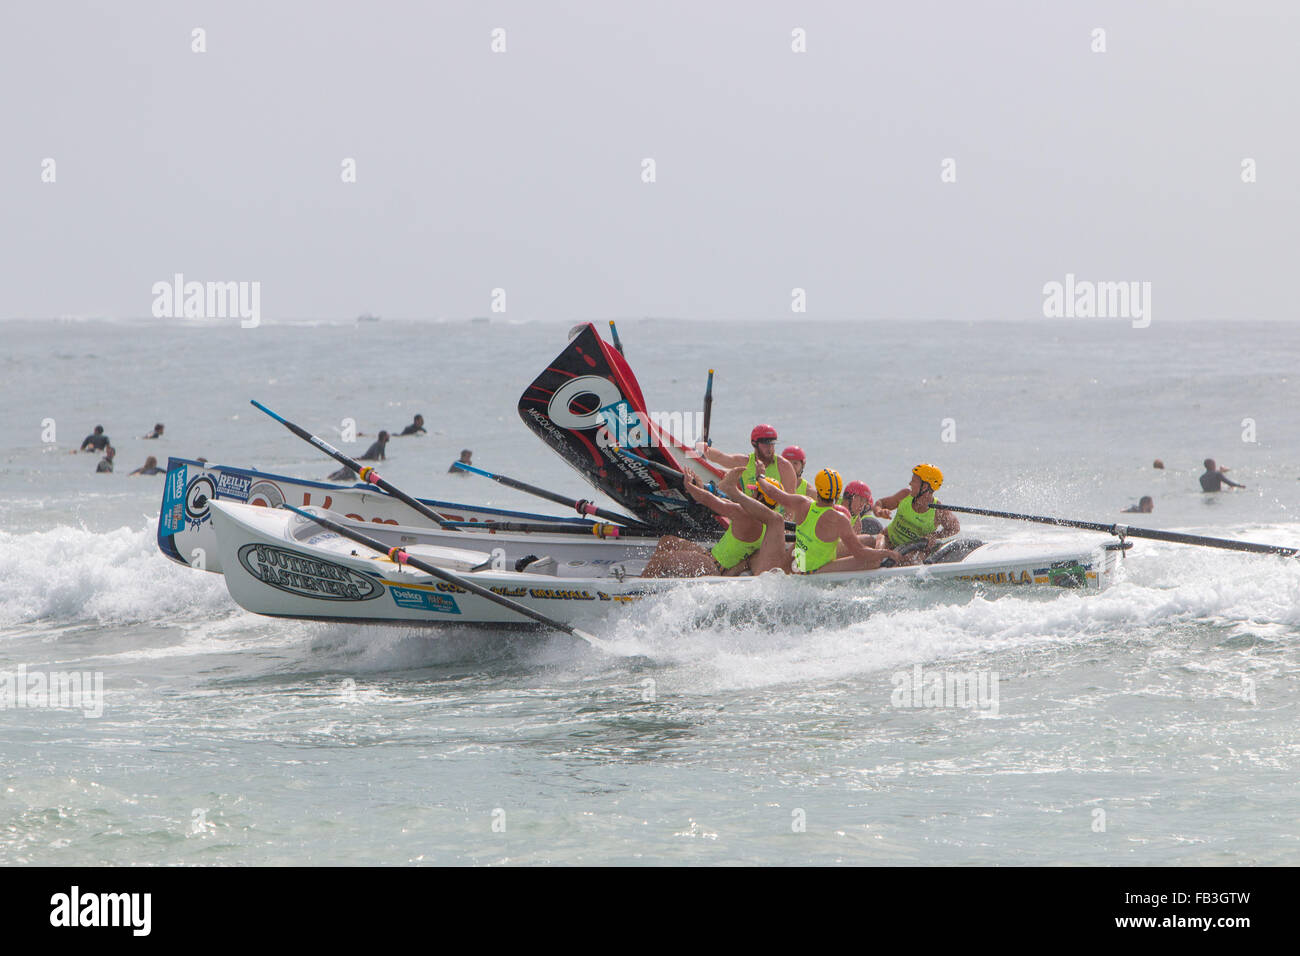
916,520
763,440
795,456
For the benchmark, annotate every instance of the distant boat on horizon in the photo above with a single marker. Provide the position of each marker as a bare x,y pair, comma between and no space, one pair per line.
367,317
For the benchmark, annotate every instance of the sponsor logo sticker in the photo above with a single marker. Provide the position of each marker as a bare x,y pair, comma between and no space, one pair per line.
306,576
173,509
233,486
423,600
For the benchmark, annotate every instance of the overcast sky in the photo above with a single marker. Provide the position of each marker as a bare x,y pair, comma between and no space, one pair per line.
774,169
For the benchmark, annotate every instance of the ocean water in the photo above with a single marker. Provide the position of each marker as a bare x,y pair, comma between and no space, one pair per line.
1154,723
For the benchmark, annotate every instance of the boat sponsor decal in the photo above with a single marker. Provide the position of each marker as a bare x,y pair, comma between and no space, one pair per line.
1000,577
199,492
265,494
421,600
306,576
173,508
1068,574
232,485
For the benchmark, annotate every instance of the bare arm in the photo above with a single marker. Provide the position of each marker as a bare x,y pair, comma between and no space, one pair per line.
860,557
722,458
719,506
947,522
786,470
783,498
892,501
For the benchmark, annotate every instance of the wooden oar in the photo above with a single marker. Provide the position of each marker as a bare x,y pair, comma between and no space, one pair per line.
708,407
582,506
398,556
366,473
1125,531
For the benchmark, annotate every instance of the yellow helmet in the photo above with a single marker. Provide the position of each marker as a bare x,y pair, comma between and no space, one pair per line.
761,495
931,475
829,484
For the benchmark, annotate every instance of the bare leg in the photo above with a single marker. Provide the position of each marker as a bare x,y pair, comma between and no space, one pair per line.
678,558
771,554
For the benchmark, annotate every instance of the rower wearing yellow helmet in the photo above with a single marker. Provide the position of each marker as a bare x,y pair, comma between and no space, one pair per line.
676,557
820,529
915,519
763,440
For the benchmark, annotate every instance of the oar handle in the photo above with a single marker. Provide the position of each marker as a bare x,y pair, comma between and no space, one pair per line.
1127,531
600,530
365,472
399,556
583,507
708,407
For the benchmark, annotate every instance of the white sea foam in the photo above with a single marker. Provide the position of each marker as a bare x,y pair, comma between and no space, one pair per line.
67,575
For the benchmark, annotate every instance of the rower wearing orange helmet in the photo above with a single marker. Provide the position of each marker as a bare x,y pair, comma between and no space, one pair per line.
763,441
820,529
916,520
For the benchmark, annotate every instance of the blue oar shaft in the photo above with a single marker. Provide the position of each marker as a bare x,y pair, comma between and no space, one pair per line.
582,506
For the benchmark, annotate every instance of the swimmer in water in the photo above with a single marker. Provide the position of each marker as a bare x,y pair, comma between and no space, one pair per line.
1143,507
156,433
415,428
374,453
1214,478
96,441
465,456
150,467
105,465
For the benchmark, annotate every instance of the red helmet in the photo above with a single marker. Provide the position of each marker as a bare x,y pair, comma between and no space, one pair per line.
794,453
763,433
858,489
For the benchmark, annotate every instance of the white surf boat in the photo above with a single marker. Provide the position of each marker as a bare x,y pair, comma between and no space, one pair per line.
185,532
284,565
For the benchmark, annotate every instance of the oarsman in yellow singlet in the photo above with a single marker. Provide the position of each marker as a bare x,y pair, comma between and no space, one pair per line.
820,529
763,457
915,519
678,558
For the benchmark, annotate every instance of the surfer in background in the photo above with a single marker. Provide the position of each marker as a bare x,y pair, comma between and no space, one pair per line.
96,441
465,456
915,520
763,440
156,433
1144,507
1214,478
150,467
105,465
415,428
374,453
